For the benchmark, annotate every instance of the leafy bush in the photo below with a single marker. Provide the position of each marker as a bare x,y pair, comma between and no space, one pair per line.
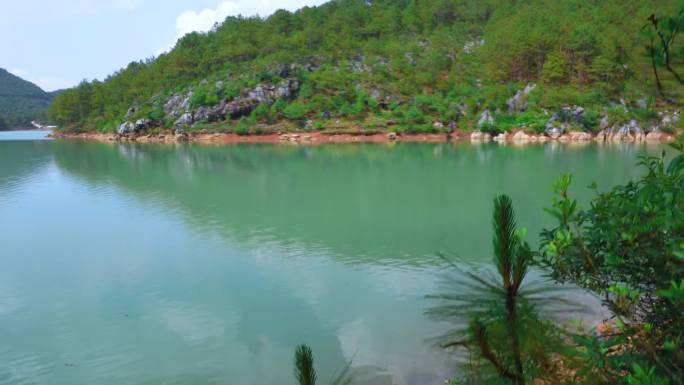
534,120
261,112
590,120
628,247
414,116
644,115
295,111
198,98
157,113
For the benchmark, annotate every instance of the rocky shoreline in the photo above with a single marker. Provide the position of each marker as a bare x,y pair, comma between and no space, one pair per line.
516,138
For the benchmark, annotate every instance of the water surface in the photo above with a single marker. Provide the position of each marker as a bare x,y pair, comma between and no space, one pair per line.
184,264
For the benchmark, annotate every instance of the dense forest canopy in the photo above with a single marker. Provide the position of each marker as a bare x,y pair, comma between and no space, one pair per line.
422,57
20,101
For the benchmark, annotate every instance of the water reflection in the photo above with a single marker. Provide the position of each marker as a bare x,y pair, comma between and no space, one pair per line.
386,204
147,264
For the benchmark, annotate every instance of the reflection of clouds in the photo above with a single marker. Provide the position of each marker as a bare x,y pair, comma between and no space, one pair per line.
354,338
196,326
303,274
404,284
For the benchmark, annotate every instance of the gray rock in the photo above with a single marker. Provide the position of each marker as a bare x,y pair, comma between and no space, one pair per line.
375,94
131,111
283,70
554,132
518,103
185,120
218,112
356,64
142,125
470,46
578,114
240,107
486,118
642,103
670,119
126,128
202,114
287,89
261,94
479,136
628,132
309,125
412,60
326,115
178,104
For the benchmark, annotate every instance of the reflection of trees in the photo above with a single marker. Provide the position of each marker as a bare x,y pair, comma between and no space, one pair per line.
21,159
364,202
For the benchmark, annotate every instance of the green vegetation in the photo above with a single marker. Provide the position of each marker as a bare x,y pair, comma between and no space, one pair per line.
661,46
305,373
20,101
507,338
628,248
409,62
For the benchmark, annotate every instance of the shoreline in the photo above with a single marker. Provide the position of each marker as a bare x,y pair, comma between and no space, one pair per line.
303,137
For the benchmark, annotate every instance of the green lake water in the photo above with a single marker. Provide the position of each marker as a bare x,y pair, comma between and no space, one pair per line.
185,264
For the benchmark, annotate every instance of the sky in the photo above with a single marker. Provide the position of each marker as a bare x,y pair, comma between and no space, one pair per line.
57,43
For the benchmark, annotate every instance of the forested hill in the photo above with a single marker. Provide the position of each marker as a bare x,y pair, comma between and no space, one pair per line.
20,101
417,64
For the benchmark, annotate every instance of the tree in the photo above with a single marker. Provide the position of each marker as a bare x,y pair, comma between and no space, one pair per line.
305,372
555,68
509,341
661,34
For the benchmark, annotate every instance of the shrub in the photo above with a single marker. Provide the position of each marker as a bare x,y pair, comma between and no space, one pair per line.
157,113
295,111
628,248
534,120
261,112
278,107
590,120
414,116
198,98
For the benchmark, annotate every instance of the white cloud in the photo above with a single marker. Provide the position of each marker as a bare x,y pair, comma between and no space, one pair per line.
45,82
204,20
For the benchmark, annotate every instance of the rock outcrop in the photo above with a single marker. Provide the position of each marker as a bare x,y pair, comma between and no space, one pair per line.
521,136
518,103
178,104
187,119
486,119
479,136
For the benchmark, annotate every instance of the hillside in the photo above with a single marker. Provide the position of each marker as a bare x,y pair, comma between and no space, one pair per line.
401,65
20,101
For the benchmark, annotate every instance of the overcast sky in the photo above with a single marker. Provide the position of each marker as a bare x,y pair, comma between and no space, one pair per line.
57,43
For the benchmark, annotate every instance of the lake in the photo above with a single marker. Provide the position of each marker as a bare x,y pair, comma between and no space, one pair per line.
186,264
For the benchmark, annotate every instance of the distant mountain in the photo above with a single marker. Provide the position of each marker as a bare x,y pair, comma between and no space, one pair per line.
21,101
